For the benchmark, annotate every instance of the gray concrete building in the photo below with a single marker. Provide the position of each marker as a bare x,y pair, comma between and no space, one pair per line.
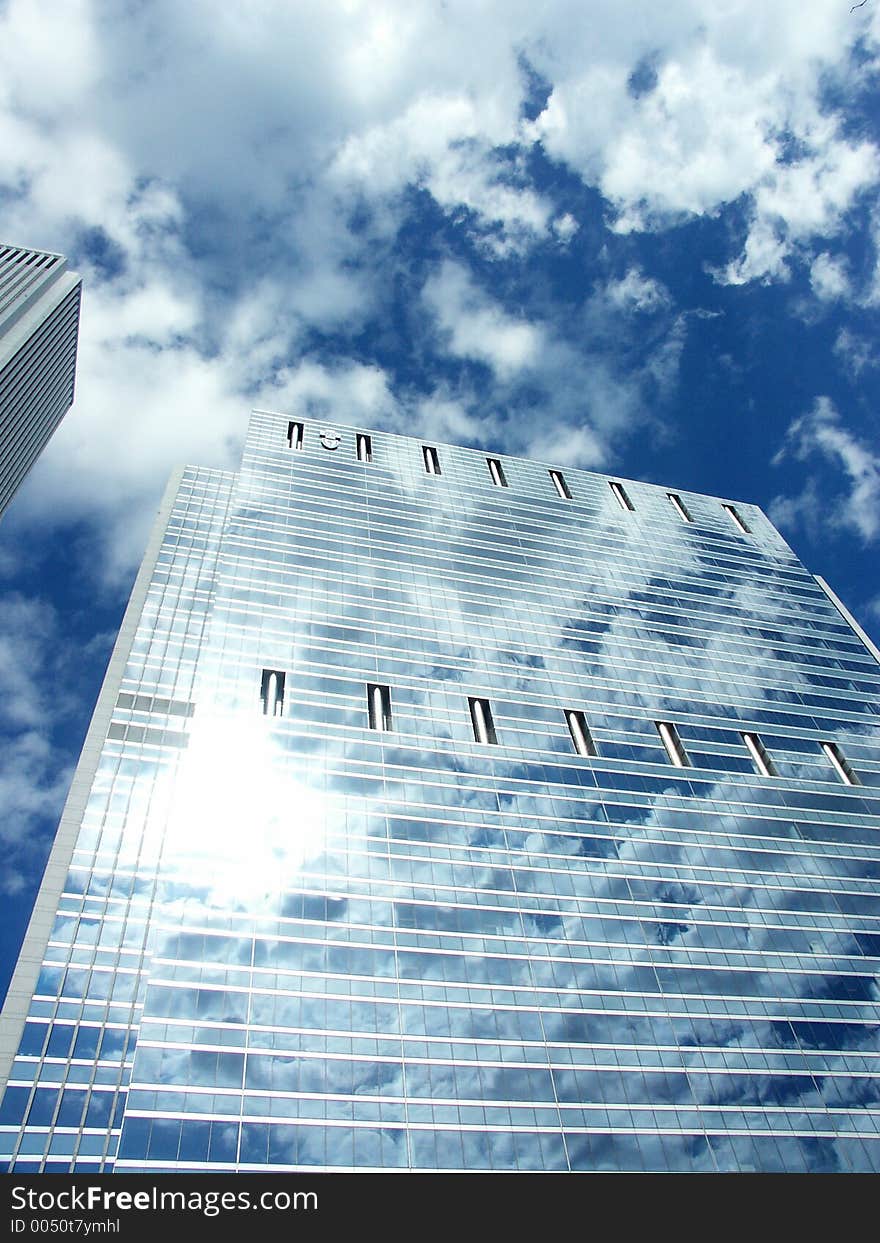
39,325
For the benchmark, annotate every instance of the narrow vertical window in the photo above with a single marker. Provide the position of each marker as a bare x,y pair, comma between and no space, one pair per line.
760,757
580,732
840,763
432,461
364,447
481,720
673,744
272,692
679,506
622,497
734,515
379,706
496,470
295,435
559,484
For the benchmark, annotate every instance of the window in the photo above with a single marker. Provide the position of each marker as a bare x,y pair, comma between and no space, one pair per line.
679,506
559,484
760,758
839,763
622,498
481,720
295,435
432,461
272,692
379,706
496,470
364,447
580,732
673,744
735,518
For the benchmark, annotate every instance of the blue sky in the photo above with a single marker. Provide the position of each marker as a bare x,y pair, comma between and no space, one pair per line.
643,240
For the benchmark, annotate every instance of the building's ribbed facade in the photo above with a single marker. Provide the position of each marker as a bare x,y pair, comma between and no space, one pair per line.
451,812
39,323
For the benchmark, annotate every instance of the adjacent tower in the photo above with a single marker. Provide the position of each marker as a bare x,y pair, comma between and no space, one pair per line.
39,323
453,811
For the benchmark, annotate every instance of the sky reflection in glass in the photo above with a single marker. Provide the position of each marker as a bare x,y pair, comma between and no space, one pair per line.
289,940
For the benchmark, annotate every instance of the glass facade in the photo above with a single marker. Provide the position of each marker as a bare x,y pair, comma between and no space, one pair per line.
438,815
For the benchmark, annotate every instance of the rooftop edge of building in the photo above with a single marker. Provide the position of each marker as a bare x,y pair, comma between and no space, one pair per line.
486,453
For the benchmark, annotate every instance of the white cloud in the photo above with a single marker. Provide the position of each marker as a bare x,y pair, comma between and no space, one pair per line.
632,345
688,146
566,445
26,627
447,144
820,434
565,227
764,257
636,292
250,166
447,418
350,393
60,37
807,510
828,277
734,114
795,203
856,352
477,328
870,295
811,193
139,411
566,398
36,695
274,108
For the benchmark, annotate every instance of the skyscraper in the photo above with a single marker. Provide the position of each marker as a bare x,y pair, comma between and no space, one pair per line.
39,322
453,811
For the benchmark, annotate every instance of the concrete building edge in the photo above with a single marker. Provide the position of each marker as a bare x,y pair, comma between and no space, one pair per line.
30,317
33,949
848,618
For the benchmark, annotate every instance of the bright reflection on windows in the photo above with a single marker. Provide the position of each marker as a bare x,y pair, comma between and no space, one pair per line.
242,821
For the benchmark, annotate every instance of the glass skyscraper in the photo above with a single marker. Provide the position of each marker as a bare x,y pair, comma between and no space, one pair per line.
444,811
39,324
